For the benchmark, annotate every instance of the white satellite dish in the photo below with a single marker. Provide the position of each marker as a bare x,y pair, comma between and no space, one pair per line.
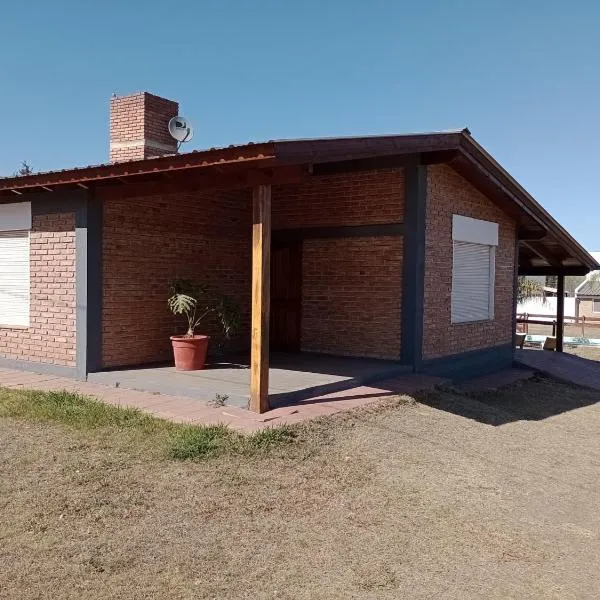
180,129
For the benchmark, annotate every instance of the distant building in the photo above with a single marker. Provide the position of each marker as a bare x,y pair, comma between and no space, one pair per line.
587,294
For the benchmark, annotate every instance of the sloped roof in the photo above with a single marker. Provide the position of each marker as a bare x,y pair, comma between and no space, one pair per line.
590,287
545,246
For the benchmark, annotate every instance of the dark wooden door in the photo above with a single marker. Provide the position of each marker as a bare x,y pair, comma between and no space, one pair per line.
286,296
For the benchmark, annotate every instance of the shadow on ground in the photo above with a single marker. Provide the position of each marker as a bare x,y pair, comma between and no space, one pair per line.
538,398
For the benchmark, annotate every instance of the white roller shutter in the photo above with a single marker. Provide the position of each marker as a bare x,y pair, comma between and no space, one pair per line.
473,275
14,278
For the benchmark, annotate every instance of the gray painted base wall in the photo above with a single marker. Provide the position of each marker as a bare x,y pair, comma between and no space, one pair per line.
468,365
44,368
457,367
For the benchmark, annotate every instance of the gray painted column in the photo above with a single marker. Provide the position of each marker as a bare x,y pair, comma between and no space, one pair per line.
81,283
94,284
413,273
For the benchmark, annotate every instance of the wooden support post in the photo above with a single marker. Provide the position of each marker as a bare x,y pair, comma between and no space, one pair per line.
261,275
560,312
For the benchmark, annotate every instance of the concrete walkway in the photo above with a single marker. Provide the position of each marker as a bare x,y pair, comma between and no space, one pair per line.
561,365
187,410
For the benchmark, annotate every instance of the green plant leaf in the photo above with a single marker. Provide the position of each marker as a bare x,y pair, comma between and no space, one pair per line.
197,302
182,304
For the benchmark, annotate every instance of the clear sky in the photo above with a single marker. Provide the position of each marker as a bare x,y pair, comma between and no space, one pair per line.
524,76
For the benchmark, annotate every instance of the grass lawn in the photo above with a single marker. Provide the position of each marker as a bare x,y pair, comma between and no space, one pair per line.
483,495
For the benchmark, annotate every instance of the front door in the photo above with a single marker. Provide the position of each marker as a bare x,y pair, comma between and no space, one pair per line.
286,295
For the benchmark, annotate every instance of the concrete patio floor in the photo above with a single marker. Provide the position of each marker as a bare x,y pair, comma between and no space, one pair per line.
292,378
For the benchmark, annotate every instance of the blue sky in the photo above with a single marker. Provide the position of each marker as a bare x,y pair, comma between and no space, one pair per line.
523,76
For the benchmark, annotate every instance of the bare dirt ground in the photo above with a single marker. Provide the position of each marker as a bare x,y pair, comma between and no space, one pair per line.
589,352
591,331
488,496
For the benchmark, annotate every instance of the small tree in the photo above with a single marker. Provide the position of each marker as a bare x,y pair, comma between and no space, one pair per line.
24,169
528,289
197,302
572,282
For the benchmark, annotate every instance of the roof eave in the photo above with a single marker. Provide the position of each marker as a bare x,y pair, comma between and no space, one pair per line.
474,151
252,154
430,146
324,150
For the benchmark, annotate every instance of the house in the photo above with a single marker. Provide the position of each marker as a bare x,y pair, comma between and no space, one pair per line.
403,247
588,298
587,294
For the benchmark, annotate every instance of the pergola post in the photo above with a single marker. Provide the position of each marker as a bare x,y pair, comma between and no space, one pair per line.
261,275
560,312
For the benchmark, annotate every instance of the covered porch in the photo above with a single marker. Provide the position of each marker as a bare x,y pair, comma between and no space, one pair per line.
318,313
543,254
314,263
292,378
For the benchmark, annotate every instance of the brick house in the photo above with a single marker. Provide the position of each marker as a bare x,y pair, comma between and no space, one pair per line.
587,297
403,247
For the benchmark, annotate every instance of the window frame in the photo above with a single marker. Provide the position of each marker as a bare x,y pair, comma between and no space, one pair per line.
594,311
15,218
480,233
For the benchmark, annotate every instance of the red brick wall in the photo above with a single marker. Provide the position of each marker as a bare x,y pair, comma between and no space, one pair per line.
447,194
585,308
352,291
206,236
158,112
148,242
50,337
352,287
365,198
136,121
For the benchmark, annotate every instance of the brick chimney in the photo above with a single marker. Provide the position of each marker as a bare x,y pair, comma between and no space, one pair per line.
138,127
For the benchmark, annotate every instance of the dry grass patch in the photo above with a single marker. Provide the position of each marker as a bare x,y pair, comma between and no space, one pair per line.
399,501
589,352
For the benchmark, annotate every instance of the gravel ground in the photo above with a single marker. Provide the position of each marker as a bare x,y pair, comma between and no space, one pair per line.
589,352
489,495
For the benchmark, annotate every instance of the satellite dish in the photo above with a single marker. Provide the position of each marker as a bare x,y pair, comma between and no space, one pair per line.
180,129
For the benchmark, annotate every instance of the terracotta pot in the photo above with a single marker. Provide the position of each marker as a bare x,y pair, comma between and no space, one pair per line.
189,352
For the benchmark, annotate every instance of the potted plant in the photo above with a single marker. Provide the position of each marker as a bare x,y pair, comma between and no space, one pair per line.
197,303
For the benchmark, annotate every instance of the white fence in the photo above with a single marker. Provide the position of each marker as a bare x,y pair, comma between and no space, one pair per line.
536,306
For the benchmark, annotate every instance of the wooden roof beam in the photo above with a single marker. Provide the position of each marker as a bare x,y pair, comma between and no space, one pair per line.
210,181
528,269
552,259
531,234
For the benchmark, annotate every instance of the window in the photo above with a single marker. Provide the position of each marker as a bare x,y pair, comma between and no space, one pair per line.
15,223
473,269
596,306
